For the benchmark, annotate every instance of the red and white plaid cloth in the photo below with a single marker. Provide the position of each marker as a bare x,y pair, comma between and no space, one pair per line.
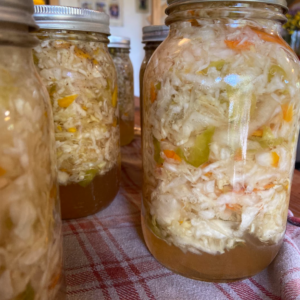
106,257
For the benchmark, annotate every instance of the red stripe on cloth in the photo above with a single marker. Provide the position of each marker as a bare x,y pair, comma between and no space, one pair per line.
131,266
262,289
289,242
292,289
90,259
219,287
244,291
289,272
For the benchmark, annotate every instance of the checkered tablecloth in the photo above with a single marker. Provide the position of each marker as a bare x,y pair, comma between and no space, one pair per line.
106,257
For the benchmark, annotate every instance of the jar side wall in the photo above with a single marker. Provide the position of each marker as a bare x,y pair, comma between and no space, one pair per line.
221,111
30,208
125,93
81,80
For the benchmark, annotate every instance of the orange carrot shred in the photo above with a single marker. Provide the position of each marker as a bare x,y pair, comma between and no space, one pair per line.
269,186
236,45
287,110
153,95
275,159
172,154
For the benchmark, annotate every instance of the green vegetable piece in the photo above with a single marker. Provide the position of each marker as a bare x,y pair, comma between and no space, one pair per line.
219,64
158,86
28,294
268,140
180,153
89,176
199,153
157,151
274,70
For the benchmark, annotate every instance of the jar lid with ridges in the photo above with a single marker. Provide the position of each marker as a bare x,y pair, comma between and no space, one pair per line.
119,42
281,3
155,33
17,12
71,18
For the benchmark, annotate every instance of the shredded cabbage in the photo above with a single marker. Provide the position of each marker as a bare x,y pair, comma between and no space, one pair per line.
30,222
221,110
80,78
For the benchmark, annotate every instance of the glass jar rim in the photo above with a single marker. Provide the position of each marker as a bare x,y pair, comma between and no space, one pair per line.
71,18
175,3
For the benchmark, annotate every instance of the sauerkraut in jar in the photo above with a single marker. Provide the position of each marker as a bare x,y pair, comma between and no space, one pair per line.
152,37
81,80
221,111
30,221
119,49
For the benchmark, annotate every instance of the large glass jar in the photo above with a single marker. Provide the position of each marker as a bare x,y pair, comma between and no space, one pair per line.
152,38
221,111
119,48
30,221
81,79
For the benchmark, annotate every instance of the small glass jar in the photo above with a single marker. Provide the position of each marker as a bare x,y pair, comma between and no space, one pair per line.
81,79
153,36
221,123
119,49
30,221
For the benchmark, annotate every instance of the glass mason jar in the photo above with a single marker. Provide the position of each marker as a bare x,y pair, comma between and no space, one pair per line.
152,38
221,111
30,221
119,49
81,79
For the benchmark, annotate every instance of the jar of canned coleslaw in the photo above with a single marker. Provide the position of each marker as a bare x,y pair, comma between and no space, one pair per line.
119,49
75,65
152,38
221,122
30,220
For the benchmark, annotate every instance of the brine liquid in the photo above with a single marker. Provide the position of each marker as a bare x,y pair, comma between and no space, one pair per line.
236,264
126,132
78,201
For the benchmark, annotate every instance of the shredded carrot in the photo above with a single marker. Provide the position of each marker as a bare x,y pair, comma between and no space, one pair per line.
238,155
59,128
172,154
258,133
269,186
287,186
2,172
83,107
66,101
95,62
208,174
72,129
271,38
54,281
236,45
153,95
64,170
46,114
81,53
234,207
191,12
275,159
287,110
114,100
180,222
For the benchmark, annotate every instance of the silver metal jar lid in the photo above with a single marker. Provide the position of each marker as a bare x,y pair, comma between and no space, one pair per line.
17,12
155,33
71,18
119,42
173,3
